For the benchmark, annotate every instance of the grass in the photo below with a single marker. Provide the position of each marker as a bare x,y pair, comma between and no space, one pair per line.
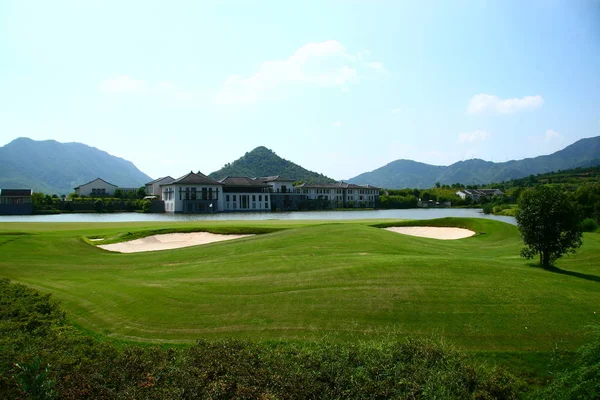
312,280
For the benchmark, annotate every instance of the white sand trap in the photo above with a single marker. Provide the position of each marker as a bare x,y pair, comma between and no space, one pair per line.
432,232
168,241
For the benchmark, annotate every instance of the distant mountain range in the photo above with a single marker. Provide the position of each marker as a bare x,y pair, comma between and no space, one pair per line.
52,167
411,174
56,168
264,162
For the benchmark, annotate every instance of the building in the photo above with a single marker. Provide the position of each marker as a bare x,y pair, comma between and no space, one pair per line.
341,194
193,194
197,193
97,187
246,194
477,194
284,196
16,202
153,188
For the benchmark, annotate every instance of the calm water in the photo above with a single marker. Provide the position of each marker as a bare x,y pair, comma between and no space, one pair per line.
419,213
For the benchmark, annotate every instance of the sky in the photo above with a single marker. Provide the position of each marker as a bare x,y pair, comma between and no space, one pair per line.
339,87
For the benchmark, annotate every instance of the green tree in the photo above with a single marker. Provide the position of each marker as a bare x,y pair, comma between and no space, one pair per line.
118,193
141,192
549,224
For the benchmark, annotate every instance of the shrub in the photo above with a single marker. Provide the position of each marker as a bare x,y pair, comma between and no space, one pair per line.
589,225
99,205
488,208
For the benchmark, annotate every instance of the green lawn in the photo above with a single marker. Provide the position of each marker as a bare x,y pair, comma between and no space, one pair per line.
310,280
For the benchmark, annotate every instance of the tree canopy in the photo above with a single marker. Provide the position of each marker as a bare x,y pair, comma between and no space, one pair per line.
549,224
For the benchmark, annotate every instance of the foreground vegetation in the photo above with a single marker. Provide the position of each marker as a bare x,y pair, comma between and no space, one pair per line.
316,283
44,358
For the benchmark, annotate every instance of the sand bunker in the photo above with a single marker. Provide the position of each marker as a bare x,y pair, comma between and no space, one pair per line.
432,232
168,241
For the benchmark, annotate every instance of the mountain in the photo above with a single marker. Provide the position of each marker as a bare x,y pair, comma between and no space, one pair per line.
56,168
264,162
405,173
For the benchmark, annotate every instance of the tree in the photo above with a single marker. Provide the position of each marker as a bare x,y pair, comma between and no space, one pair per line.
141,192
549,224
118,193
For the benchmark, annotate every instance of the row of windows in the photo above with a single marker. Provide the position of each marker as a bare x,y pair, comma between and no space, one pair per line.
14,200
98,191
338,191
234,206
253,197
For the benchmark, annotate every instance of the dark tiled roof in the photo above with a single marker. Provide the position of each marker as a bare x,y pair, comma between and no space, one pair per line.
322,186
272,179
338,185
242,181
193,179
160,179
15,192
97,179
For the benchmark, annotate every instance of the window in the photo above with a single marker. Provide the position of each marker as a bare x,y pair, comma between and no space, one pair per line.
193,193
253,205
253,197
266,205
204,194
260,197
234,198
227,199
210,196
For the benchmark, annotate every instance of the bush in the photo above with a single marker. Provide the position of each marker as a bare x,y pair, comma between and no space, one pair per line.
488,208
582,381
99,205
589,225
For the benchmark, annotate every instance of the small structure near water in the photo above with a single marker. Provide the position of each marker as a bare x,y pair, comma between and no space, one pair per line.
16,202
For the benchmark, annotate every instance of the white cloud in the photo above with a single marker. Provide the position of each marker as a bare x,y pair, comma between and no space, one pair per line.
487,103
326,64
122,84
337,124
475,136
552,135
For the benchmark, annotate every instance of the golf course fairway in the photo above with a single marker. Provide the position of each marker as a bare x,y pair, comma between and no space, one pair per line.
311,280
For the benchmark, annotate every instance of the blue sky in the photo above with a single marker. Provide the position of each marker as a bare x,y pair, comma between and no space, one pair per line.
339,87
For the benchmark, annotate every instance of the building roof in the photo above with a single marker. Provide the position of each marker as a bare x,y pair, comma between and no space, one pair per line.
272,179
480,192
97,179
15,192
160,179
242,181
193,179
337,185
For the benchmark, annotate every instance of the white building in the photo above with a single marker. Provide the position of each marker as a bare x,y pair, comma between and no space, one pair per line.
341,194
477,194
245,194
193,193
97,187
153,188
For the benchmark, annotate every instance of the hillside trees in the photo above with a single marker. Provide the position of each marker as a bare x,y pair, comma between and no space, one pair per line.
549,223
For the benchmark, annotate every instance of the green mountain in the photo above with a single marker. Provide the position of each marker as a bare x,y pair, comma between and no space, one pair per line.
56,168
264,162
410,174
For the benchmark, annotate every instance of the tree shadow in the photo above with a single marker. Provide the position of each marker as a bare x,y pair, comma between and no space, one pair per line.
556,270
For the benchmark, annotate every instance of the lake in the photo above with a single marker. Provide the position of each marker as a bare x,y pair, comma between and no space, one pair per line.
418,213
